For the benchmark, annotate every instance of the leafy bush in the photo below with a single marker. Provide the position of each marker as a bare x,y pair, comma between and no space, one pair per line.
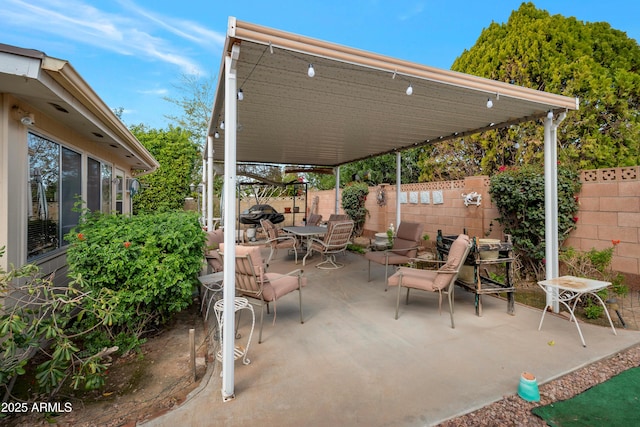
148,264
594,264
35,324
519,196
353,197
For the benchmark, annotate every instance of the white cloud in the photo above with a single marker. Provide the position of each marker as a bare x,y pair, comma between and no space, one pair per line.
134,31
417,9
159,91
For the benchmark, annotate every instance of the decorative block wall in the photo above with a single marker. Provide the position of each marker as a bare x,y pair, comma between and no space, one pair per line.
609,211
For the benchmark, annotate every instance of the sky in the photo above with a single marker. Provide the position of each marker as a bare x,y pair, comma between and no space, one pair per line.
136,53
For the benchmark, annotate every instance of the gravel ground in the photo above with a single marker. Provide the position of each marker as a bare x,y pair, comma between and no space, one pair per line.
515,411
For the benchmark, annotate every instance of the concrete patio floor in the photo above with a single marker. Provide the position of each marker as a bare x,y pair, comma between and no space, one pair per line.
352,363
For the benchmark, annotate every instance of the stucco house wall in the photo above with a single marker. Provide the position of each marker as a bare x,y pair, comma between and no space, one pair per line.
65,111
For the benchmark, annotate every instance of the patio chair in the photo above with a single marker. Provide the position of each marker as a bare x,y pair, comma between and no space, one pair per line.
314,219
405,246
276,241
441,280
261,287
336,240
211,255
209,291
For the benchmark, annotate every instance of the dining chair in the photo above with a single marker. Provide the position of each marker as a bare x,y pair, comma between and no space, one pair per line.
262,287
276,241
405,246
335,240
441,280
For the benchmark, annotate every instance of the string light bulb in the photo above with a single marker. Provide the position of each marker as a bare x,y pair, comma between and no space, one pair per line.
311,72
216,135
222,125
240,95
489,103
550,115
409,90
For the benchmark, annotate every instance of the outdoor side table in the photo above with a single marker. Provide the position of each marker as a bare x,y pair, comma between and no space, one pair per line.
239,304
212,284
570,288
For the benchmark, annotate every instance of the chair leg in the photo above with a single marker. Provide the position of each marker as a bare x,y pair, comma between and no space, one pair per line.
407,301
451,300
329,259
398,298
271,253
300,299
261,322
386,276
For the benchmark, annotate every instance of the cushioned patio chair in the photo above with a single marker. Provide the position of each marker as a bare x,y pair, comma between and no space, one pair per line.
441,280
263,288
314,219
335,240
276,240
214,238
405,246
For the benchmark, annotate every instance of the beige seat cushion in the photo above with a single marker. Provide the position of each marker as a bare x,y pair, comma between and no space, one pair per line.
379,257
433,280
414,278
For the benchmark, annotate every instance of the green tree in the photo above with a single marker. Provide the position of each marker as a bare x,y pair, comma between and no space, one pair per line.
166,188
382,169
591,61
354,196
195,102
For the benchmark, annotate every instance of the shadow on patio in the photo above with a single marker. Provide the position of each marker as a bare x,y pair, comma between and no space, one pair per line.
351,363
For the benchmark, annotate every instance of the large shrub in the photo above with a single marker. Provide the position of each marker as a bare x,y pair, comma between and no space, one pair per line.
148,264
518,193
353,197
36,319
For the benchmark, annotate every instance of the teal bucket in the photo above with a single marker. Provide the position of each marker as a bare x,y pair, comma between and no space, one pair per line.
528,387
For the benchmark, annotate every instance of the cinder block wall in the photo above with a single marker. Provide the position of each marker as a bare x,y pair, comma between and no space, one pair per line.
421,202
609,211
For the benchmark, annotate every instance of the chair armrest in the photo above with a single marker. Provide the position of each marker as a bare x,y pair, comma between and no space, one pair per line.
297,272
413,261
402,249
281,238
316,240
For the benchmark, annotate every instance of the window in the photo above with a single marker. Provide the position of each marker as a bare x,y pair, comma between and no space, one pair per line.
55,178
98,186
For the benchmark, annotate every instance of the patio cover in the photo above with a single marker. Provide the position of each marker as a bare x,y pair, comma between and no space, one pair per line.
357,105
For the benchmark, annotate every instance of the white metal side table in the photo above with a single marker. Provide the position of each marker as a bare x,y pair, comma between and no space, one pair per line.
239,304
566,289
